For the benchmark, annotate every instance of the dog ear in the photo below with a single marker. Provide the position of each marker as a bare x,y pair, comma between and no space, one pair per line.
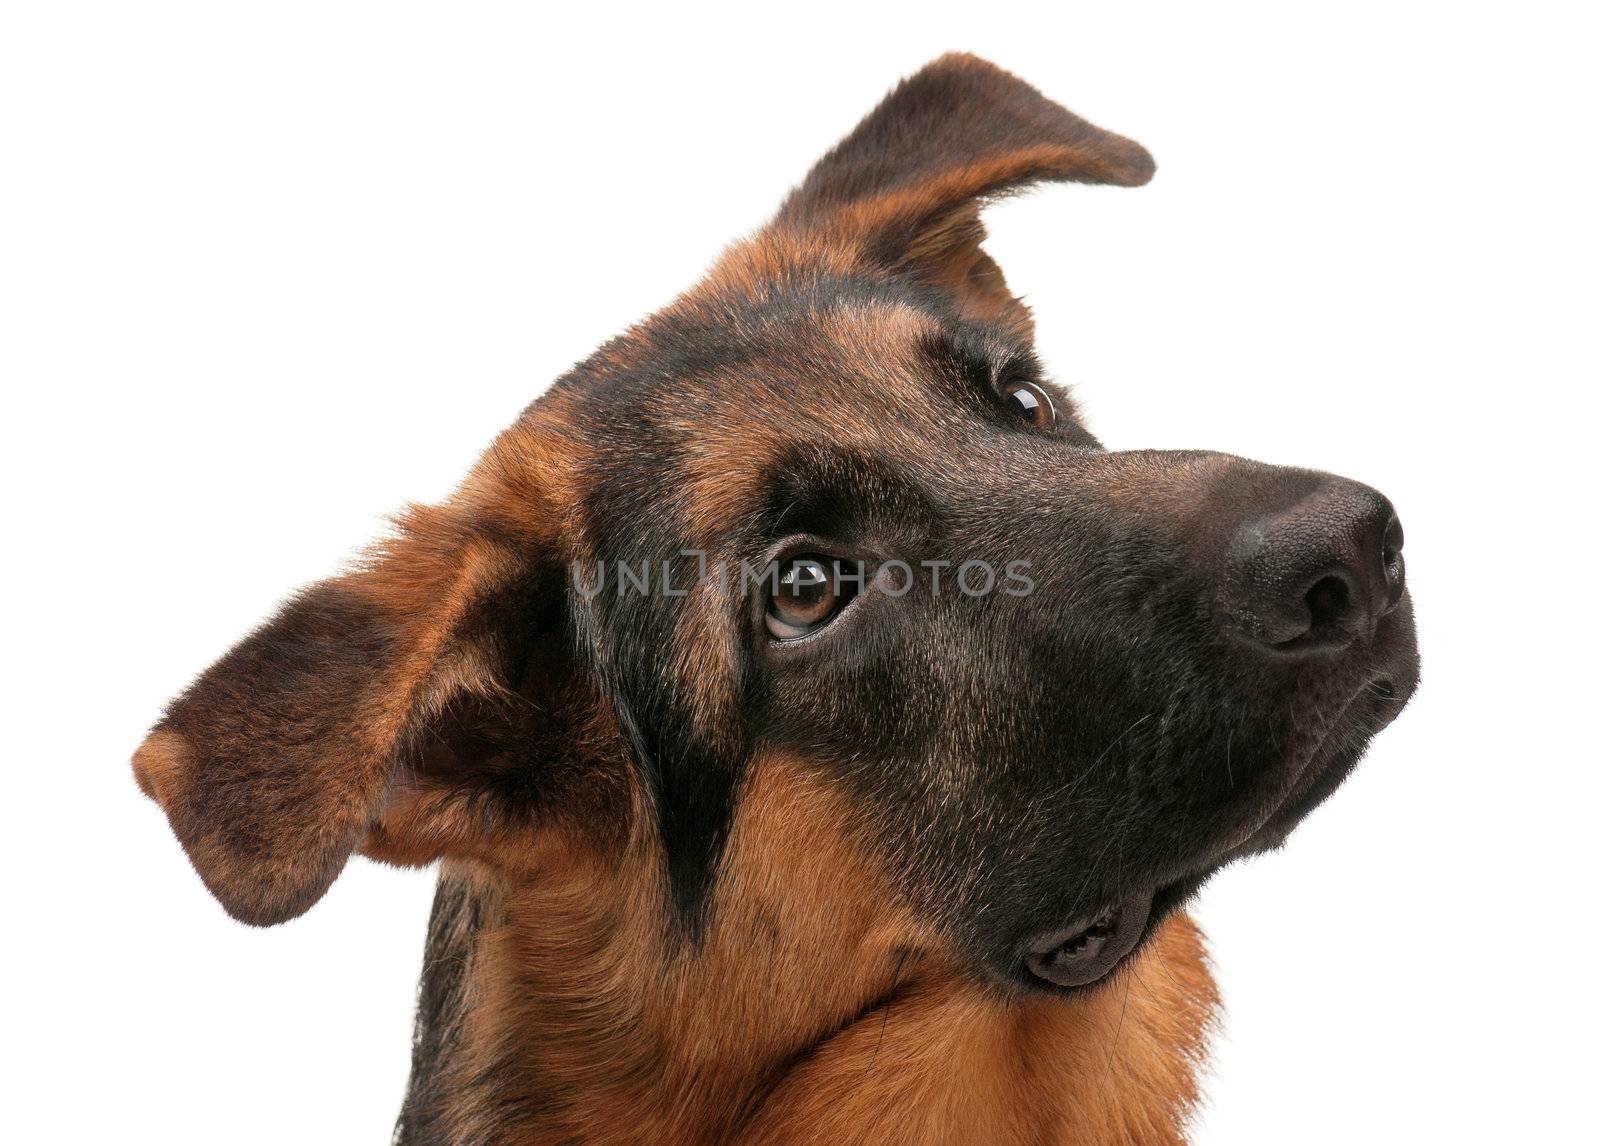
904,189
305,739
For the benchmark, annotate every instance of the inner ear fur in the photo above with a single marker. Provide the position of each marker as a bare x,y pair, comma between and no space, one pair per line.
904,189
281,759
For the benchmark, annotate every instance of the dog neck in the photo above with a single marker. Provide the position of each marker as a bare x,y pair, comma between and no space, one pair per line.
557,1005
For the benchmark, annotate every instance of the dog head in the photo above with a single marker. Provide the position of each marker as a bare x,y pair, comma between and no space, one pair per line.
825,511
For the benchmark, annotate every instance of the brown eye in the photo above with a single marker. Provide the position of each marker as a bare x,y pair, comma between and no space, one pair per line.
807,594
1032,404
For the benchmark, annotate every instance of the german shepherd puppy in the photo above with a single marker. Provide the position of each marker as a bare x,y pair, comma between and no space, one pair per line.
819,730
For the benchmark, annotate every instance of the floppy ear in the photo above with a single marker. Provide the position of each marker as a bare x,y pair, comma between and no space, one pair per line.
904,189
282,758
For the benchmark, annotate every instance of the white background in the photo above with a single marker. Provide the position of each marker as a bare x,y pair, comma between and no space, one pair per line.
268,271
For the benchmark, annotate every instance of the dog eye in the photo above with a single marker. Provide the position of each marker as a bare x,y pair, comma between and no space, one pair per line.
808,593
1032,404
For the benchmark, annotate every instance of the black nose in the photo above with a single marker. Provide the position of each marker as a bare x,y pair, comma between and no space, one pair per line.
1317,574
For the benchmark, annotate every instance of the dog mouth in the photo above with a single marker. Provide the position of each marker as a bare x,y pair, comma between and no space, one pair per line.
1090,947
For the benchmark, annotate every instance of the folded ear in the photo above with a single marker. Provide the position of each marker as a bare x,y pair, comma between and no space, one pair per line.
277,763
903,190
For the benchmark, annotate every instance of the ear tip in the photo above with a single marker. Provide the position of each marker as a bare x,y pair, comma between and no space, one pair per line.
264,912
252,889
263,898
1139,165
1130,164
968,60
159,762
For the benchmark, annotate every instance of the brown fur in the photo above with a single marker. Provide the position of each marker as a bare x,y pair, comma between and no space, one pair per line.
815,1004
814,1010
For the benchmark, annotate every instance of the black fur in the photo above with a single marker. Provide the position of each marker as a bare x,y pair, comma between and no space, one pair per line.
1108,725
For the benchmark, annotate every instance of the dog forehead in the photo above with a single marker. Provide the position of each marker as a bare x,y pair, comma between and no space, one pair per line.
815,356
717,394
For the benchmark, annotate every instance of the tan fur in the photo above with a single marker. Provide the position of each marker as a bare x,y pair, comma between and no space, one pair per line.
301,801
815,1005
814,1009
948,1062
160,764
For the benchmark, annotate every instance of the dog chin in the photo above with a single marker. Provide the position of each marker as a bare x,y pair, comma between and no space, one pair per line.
1330,763
1086,951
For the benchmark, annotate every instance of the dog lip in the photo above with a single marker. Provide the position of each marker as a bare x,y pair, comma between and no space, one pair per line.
1089,947
1093,945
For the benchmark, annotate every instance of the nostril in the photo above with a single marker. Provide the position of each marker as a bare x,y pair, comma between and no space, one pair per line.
1394,540
1394,563
1314,573
1329,602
